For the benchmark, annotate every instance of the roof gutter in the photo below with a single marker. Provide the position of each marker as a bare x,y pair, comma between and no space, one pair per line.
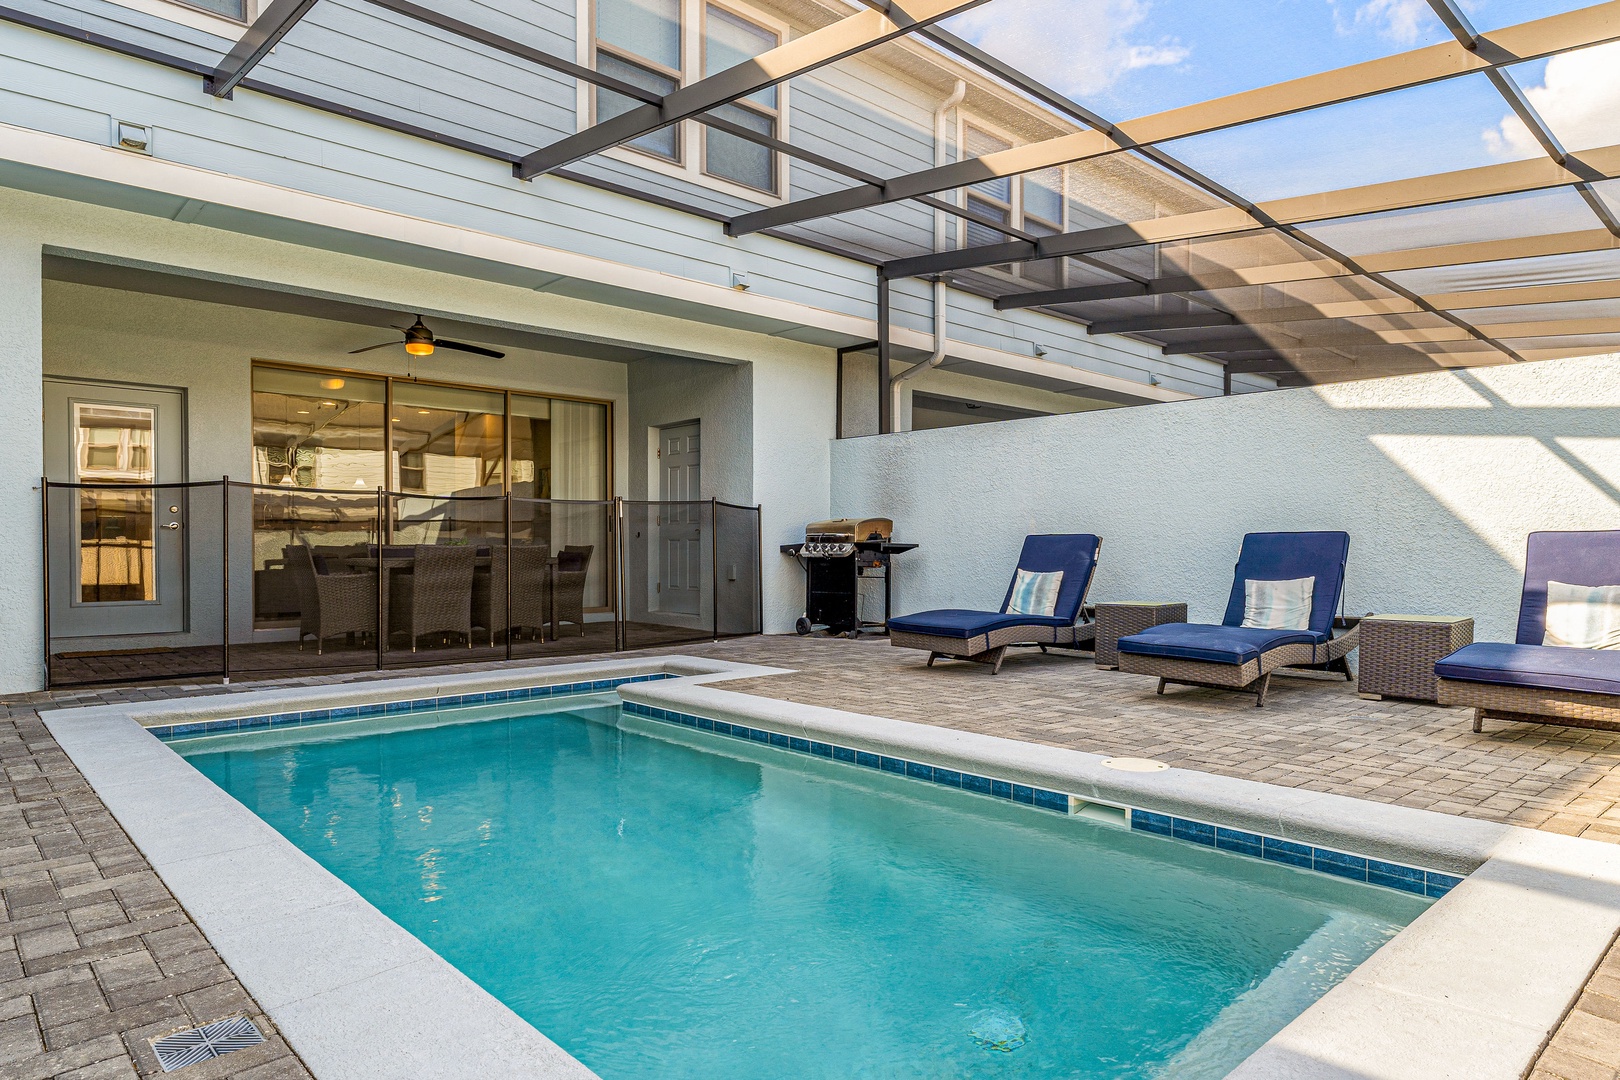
940,303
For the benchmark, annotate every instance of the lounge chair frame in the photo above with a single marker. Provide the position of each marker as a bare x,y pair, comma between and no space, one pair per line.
1532,704
1545,559
991,648
1253,677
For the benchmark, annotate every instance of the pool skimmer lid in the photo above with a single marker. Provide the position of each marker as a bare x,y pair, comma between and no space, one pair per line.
205,1043
1134,764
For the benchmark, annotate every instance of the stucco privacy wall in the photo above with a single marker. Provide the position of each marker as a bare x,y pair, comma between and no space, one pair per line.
1436,477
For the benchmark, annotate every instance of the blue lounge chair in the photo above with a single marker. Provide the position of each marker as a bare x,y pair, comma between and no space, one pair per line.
984,636
1535,683
1232,656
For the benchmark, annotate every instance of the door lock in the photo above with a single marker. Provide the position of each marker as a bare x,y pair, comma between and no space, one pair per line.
172,525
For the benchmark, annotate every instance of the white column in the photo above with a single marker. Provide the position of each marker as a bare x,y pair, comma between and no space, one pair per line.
21,403
793,431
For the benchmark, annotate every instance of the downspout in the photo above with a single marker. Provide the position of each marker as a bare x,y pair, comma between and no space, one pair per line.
940,304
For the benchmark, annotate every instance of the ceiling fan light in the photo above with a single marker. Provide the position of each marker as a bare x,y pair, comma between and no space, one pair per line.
419,348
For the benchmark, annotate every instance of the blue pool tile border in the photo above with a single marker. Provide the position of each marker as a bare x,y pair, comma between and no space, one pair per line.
1410,879
390,708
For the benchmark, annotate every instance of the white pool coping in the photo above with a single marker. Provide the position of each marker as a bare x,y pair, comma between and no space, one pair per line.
1472,989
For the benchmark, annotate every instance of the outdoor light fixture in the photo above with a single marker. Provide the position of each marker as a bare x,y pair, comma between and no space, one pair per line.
331,384
419,341
1040,351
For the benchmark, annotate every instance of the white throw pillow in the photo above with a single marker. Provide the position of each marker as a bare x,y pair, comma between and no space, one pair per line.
1583,616
1034,594
1278,605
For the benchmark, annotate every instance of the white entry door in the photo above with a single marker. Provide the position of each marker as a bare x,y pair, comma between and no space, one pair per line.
117,549
680,528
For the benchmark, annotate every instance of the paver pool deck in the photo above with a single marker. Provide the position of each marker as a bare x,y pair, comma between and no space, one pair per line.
96,957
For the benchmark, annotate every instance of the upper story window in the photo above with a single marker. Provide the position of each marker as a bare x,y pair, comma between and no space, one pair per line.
1033,202
728,40
231,9
649,43
639,41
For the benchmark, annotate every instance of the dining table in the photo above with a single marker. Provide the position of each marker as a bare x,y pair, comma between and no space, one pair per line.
405,564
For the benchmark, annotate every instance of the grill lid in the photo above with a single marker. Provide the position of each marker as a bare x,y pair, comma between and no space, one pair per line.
849,530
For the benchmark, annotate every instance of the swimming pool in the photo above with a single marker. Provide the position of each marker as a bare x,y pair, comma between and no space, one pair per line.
666,903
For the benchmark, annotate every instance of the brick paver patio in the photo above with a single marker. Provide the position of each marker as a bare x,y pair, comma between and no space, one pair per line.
96,957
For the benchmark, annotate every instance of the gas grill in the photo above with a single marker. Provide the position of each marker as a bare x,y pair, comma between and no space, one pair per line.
836,555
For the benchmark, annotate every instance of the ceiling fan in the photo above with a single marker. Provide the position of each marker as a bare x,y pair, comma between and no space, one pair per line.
419,341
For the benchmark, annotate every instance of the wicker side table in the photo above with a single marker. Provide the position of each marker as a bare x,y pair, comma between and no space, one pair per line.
1398,653
1115,621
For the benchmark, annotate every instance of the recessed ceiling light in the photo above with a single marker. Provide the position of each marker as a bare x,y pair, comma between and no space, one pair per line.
395,419
424,412
329,404
303,412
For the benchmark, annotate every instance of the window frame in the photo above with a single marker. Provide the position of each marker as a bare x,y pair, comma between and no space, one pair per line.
1018,216
388,379
774,115
593,93
691,166
198,18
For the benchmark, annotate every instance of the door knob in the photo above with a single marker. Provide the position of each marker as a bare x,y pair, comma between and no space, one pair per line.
172,525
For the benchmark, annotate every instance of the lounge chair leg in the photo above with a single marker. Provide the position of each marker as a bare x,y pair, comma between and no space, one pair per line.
1479,720
1042,647
1160,690
932,657
1260,691
995,665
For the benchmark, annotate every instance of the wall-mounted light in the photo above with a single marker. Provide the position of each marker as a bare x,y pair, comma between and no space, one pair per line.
742,281
331,384
136,138
1153,380
1040,351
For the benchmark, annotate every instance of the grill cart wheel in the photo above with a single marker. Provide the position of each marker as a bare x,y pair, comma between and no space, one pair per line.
802,626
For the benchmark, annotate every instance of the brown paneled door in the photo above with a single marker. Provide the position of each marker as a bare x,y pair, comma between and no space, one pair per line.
117,548
680,520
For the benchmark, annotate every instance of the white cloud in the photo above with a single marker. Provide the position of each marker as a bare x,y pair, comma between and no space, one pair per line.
1080,47
1398,20
1579,99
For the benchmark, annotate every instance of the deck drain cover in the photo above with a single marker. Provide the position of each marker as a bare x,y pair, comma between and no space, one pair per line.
1134,764
206,1043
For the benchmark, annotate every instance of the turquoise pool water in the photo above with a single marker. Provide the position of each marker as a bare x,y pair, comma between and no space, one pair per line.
666,904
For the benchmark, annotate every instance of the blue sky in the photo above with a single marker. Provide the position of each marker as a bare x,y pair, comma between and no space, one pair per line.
1128,58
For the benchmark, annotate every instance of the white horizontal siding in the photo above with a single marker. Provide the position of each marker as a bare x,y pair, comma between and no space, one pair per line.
52,84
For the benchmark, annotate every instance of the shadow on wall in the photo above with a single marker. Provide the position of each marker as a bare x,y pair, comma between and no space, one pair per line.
1437,478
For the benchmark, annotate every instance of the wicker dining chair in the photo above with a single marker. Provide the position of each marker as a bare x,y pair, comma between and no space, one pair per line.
531,591
436,596
573,564
330,604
